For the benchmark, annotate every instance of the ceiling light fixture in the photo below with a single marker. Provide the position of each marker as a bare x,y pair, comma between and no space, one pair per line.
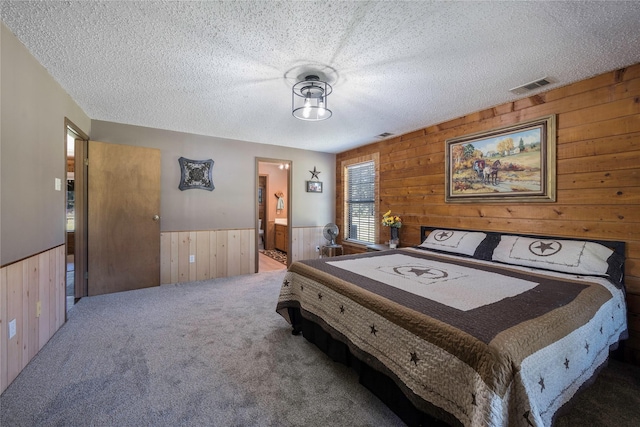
309,99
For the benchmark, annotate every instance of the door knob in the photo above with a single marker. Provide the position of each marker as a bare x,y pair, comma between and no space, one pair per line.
156,217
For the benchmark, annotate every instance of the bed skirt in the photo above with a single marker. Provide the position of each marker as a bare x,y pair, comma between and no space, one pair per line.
383,387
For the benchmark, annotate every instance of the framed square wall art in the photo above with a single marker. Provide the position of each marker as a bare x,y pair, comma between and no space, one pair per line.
314,187
195,174
511,164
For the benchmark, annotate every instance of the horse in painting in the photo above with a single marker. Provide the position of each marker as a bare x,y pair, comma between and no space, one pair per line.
490,173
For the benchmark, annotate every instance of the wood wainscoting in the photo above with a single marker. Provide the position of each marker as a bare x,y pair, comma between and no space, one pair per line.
304,241
223,253
32,294
187,256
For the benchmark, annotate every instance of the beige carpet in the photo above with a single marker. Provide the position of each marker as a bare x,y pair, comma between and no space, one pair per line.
215,353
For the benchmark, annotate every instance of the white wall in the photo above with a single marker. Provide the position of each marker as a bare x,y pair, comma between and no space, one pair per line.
32,135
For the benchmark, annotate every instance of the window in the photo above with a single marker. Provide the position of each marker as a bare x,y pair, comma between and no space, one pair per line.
360,195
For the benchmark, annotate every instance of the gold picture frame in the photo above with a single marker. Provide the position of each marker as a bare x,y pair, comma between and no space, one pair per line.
514,164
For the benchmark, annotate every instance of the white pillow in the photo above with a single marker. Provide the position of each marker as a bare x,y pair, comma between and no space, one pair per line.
459,242
568,256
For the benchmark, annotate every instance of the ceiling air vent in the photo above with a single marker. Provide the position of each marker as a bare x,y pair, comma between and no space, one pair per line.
530,86
384,135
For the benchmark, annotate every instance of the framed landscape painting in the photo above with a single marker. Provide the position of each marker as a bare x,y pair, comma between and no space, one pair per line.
511,164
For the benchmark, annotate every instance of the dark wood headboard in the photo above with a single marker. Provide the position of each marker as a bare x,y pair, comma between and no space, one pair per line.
617,246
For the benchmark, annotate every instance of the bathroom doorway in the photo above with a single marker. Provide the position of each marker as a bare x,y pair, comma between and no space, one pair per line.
273,214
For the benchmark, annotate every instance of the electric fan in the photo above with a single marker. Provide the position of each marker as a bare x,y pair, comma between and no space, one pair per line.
330,232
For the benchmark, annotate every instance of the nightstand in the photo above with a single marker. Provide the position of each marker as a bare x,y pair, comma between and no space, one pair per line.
329,251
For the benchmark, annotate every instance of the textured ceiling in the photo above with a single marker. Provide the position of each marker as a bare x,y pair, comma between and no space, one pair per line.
226,69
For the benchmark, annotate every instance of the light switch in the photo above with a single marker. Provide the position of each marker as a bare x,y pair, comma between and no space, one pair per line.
58,184
12,328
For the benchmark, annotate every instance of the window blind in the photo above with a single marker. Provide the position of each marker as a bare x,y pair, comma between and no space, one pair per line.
360,202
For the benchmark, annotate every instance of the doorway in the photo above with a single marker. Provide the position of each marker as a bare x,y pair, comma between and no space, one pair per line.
76,212
273,214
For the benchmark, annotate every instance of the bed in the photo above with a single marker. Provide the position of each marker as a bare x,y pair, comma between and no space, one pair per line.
468,328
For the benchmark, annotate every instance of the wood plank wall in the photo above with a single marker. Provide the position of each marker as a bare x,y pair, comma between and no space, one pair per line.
304,241
216,253
32,292
598,174
223,253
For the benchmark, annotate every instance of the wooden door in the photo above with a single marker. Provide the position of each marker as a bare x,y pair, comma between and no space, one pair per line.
123,218
80,243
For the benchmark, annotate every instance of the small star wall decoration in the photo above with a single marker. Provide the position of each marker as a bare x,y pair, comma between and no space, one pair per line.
314,173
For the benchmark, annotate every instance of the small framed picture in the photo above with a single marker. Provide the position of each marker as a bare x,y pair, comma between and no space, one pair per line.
314,187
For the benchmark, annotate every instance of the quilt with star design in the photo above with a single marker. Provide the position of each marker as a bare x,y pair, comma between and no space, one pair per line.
486,343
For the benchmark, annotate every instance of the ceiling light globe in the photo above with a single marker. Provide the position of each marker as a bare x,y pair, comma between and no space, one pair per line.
308,90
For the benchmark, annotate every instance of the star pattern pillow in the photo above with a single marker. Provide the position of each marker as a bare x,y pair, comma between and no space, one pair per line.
567,256
454,241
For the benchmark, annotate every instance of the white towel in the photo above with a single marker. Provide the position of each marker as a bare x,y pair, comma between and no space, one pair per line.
280,204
